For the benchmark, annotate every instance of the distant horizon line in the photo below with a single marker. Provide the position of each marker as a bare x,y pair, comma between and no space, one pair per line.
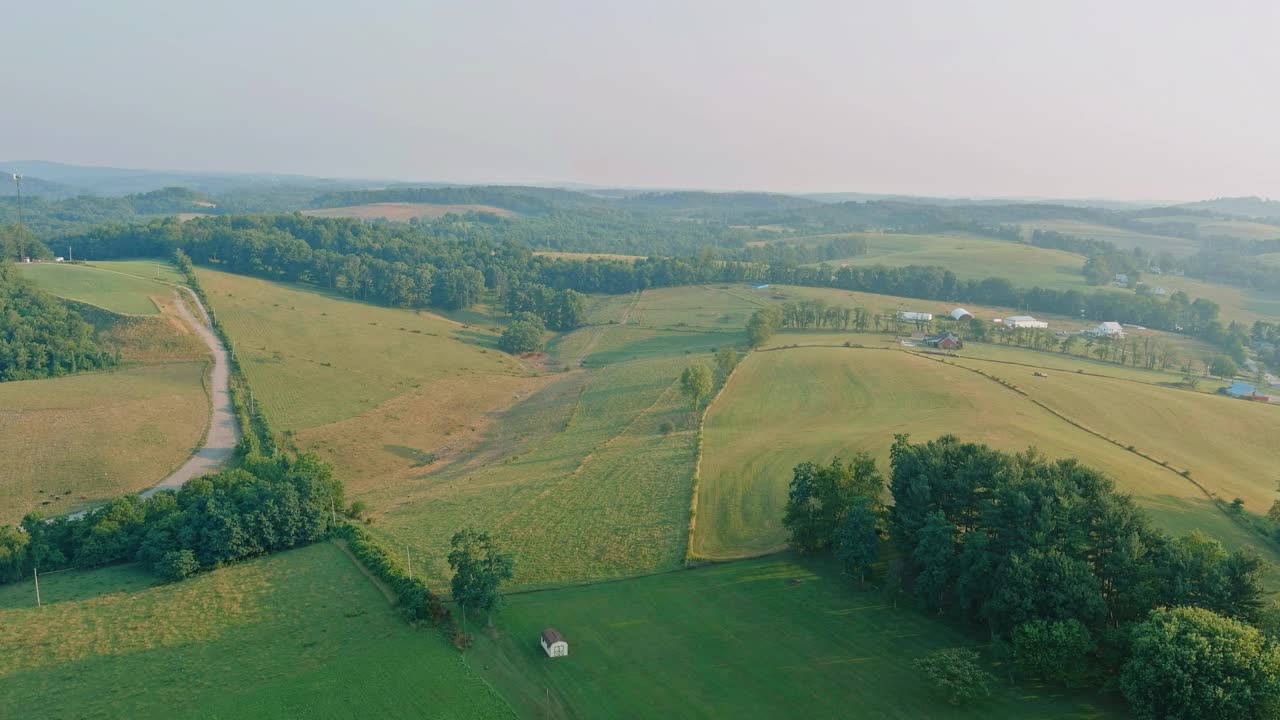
13,166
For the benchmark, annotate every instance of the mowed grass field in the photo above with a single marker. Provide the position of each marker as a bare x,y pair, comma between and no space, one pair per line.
787,406
315,358
302,634
110,289
767,638
73,441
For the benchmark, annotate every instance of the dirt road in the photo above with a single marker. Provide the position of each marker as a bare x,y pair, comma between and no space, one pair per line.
224,431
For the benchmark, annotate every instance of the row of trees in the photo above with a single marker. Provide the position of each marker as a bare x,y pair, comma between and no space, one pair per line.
266,505
40,336
1060,569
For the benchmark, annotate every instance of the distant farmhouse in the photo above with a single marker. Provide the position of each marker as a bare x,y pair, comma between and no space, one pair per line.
1122,279
961,314
947,341
1107,329
554,644
1024,321
908,316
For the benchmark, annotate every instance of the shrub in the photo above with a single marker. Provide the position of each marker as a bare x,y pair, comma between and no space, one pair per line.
666,427
177,565
955,673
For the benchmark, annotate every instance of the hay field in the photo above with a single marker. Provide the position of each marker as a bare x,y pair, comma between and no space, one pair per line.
315,358
768,638
783,407
404,211
73,441
298,634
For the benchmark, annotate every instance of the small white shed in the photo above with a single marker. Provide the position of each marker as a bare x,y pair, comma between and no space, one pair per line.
554,643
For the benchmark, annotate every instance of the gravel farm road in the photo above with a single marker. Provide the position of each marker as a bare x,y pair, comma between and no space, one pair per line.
224,431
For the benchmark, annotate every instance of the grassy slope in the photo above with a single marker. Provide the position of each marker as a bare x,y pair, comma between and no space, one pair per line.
974,258
787,406
1123,238
116,291
314,358
96,435
734,640
1224,442
300,634
1210,227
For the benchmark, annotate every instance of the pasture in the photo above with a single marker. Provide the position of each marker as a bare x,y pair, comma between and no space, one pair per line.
299,634
786,406
117,291
314,358
774,637
74,441
404,211
579,478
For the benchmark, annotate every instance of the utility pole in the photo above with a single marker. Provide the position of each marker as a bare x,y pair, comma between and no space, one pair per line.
408,559
36,573
22,240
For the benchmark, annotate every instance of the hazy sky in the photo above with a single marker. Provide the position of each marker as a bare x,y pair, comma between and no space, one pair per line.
1136,99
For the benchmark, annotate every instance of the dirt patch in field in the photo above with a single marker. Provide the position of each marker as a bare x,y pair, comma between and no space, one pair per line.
405,211
407,437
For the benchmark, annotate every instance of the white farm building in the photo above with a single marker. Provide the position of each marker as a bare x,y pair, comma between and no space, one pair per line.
554,644
1024,321
961,314
1108,329
909,316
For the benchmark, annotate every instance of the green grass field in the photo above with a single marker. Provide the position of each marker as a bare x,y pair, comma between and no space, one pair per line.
112,286
783,407
74,441
302,634
766,638
314,358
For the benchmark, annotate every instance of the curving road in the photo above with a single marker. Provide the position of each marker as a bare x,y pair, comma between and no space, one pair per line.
224,431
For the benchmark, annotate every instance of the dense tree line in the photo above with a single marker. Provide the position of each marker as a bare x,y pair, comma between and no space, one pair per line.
40,336
266,505
1054,563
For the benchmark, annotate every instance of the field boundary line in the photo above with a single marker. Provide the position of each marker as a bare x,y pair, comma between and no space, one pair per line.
689,554
379,584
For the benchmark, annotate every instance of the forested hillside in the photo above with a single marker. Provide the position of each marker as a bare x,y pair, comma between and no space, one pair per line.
39,335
